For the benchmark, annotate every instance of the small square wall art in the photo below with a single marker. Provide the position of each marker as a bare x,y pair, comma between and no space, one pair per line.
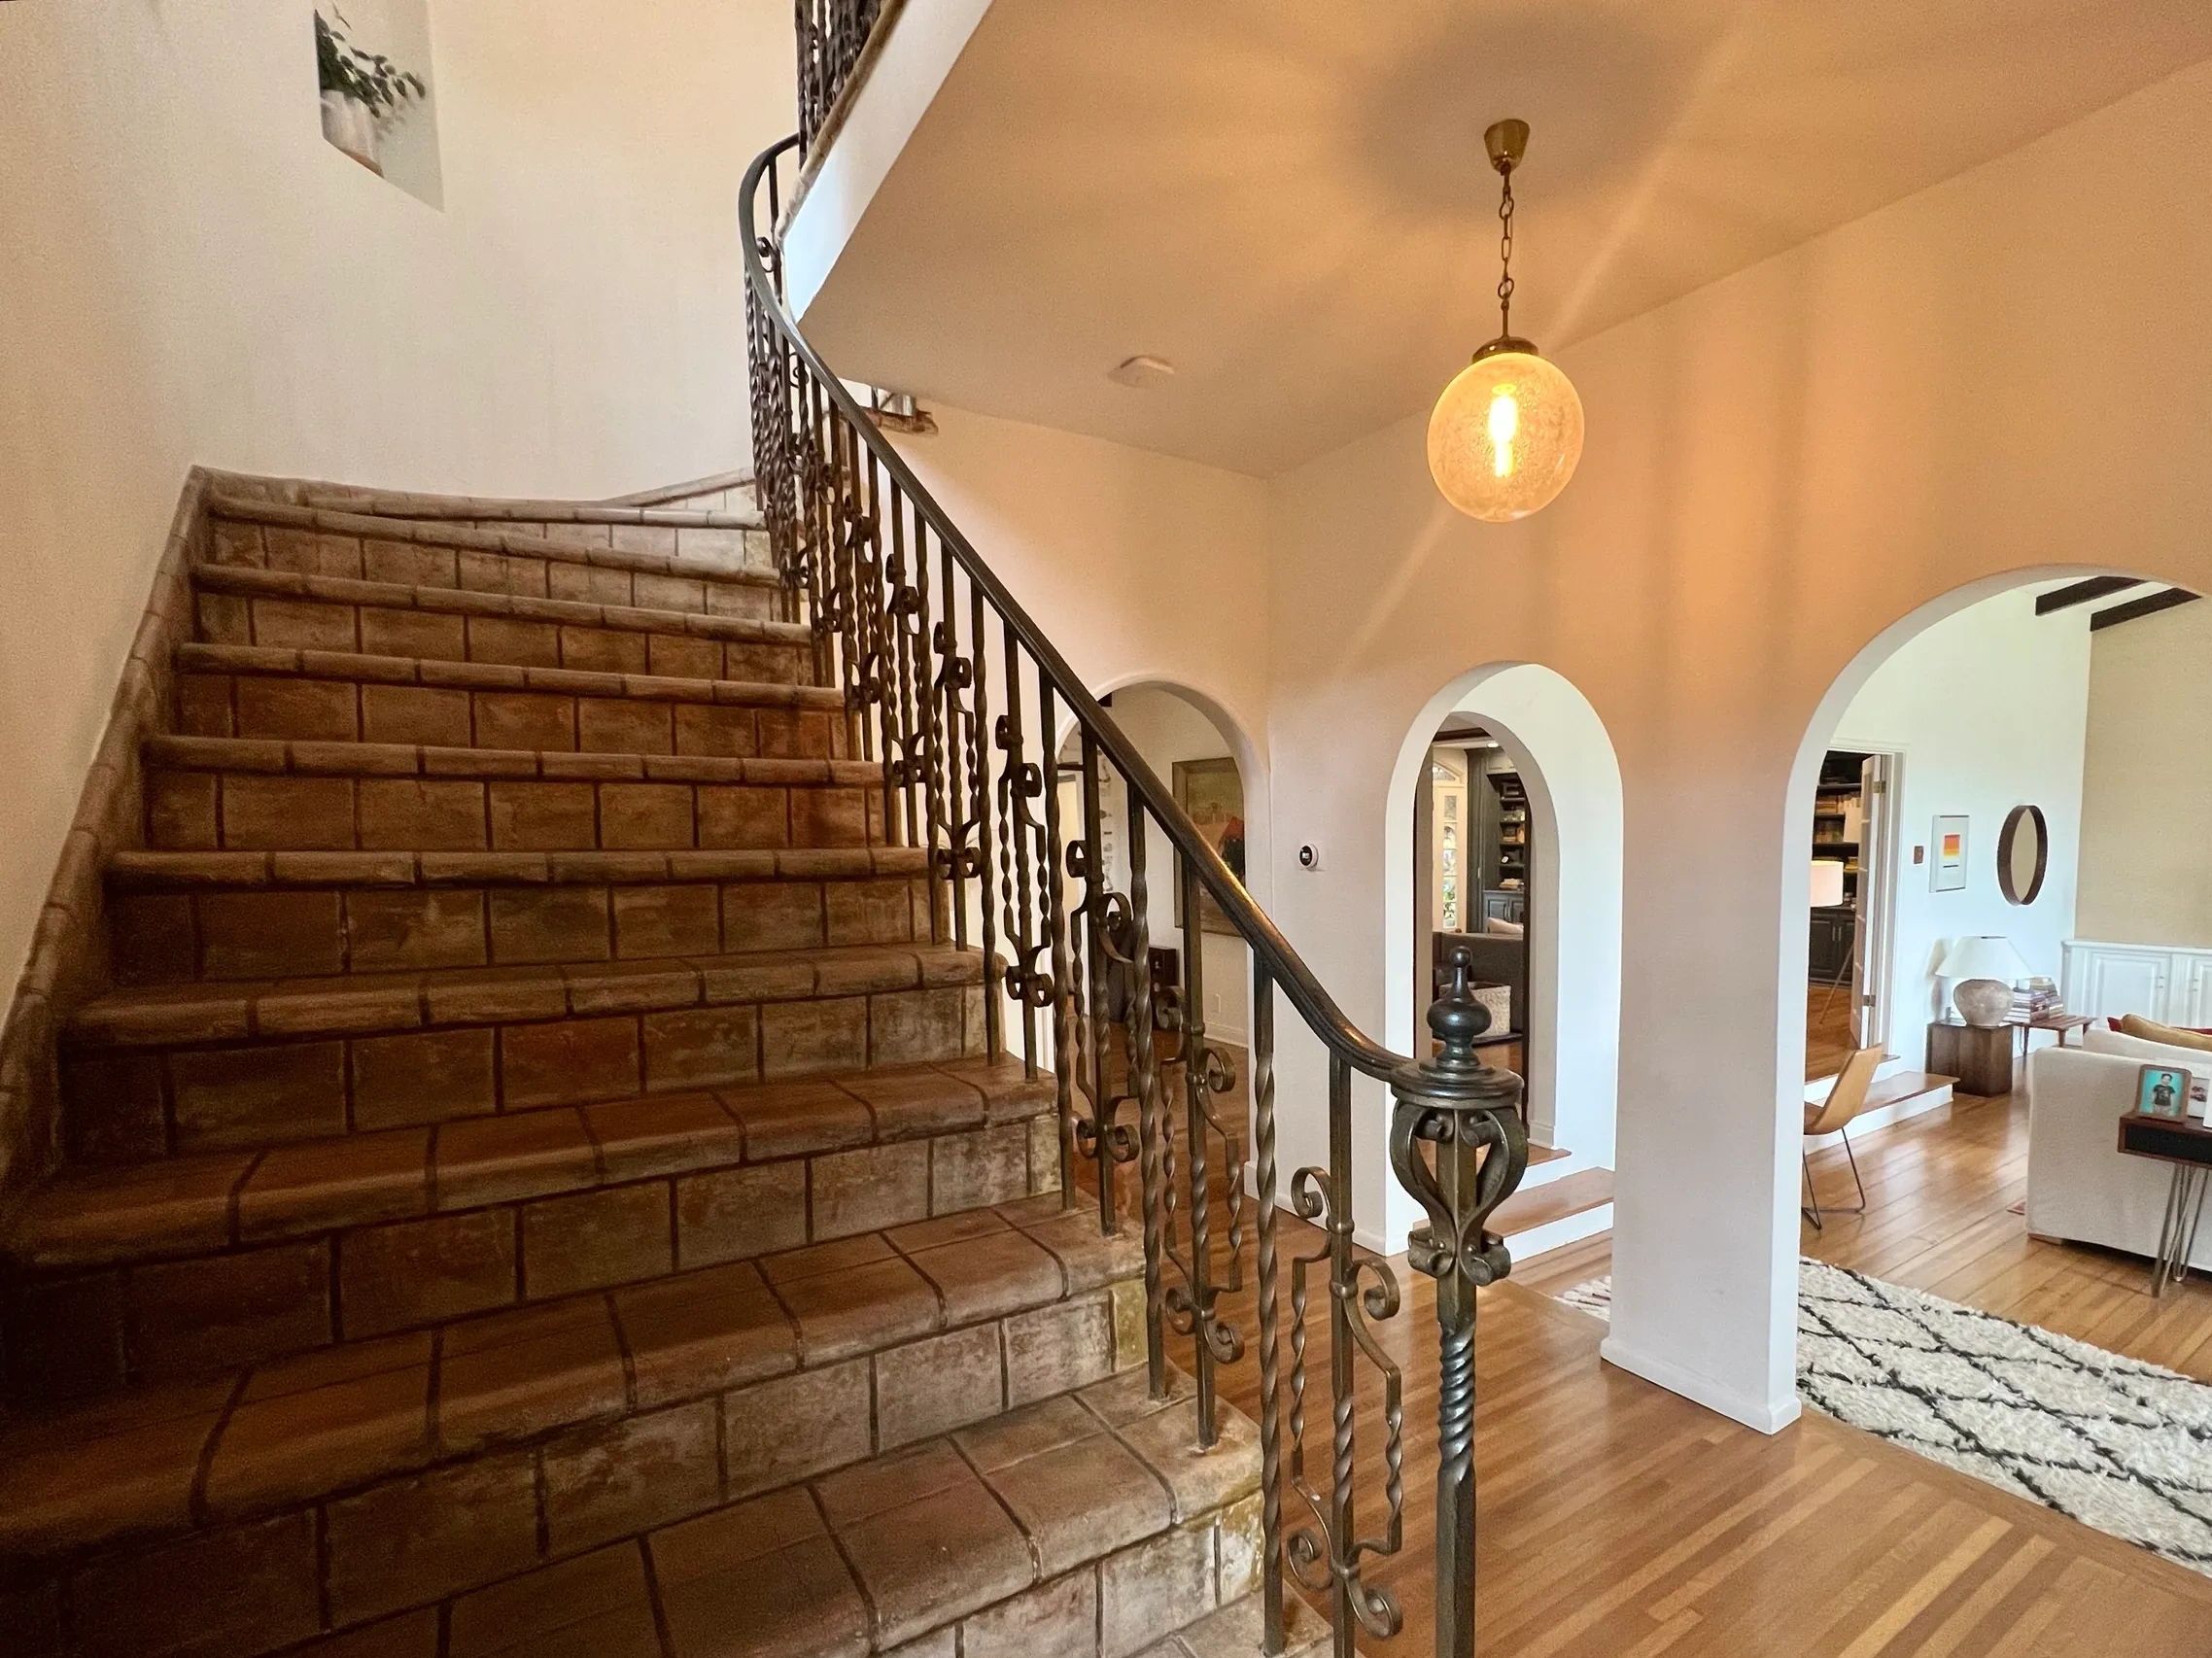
1950,874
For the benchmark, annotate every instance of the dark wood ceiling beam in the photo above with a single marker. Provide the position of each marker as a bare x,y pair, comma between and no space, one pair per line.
2082,592
2150,605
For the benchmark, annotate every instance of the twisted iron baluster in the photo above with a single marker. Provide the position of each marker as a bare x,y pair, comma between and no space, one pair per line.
980,815
1150,1175
954,673
931,710
1270,1334
1104,1139
1066,1046
1019,783
1482,1151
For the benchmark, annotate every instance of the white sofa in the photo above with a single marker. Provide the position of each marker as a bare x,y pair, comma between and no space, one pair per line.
2079,1186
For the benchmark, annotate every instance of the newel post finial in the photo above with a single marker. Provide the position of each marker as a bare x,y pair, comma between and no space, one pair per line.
1456,1018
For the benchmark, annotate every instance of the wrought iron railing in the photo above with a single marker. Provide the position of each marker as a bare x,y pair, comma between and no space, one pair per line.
962,700
832,34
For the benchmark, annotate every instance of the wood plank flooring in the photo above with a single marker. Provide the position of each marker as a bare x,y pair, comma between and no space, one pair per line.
1621,1520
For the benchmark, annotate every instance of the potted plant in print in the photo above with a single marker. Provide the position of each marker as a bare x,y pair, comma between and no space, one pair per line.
362,90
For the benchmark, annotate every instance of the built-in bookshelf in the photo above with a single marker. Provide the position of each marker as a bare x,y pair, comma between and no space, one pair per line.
1838,826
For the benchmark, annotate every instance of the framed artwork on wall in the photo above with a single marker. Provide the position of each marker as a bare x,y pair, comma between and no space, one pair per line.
1213,794
1950,871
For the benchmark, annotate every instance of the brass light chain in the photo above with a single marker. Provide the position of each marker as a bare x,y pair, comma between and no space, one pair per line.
1505,250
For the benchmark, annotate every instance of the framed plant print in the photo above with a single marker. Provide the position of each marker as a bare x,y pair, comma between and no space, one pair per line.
1213,794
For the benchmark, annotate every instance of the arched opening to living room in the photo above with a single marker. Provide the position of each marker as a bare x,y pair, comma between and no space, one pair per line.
1504,841
1212,769
2033,883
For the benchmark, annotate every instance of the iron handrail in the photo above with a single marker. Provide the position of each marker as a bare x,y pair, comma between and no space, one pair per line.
1323,1017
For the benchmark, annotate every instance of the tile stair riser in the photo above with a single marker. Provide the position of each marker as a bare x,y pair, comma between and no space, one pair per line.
338,707
149,1099
554,1233
429,633
613,1477
299,931
200,811
725,569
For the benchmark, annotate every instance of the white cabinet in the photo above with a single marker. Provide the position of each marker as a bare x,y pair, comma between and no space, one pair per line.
2171,985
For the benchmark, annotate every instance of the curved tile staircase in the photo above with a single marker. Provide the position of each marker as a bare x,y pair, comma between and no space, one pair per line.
536,1184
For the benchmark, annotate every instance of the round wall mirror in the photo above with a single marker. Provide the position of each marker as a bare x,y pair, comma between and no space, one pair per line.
2024,855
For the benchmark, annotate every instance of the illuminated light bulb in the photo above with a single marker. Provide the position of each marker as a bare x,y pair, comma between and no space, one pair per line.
1505,420
1506,436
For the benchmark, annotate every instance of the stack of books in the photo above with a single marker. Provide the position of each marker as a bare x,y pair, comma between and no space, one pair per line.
2036,998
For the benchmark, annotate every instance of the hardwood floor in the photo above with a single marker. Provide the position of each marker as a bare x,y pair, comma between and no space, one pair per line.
1619,1519
1940,1194
1828,1039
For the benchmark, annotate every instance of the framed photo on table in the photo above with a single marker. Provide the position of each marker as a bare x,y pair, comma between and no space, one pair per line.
2162,1090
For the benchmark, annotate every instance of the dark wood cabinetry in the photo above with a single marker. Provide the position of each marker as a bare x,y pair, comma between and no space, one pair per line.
1831,955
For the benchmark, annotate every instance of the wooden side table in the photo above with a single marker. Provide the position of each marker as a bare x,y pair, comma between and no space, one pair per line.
2060,1025
1982,1059
2187,1143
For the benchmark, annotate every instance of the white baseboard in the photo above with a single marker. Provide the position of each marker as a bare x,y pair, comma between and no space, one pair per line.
1766,1416
1559,1233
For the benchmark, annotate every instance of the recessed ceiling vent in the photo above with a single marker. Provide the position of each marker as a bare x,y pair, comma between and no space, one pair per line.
1142,372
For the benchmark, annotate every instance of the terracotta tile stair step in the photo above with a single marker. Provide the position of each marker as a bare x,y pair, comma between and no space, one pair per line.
515,1221
281,914
710,562
333,1489
203,1203
383,618
209,793
192,1067
528,510
228,690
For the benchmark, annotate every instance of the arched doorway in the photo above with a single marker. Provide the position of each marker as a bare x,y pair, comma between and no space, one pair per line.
2044,696
1531,743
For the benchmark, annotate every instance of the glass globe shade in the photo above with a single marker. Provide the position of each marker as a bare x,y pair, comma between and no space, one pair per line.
1504,437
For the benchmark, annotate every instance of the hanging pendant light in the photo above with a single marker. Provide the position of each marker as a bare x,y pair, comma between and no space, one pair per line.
1506,433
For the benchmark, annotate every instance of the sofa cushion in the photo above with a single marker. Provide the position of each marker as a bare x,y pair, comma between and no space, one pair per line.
2172,1036
2127,1047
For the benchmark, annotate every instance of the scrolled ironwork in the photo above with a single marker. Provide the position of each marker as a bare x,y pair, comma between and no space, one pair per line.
966,729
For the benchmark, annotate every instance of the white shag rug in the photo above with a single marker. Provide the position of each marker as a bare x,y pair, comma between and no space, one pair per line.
2120,1445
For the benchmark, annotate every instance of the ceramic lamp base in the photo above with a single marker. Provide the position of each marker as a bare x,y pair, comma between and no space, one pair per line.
1982,1003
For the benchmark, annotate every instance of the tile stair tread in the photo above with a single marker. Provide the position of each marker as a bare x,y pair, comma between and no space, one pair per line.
282,660
276,756
442,519
365,1003
939,1546
222,871
201,1203
170,1457
249,581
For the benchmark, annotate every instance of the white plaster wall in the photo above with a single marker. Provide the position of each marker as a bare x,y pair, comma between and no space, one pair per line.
1987,708
2146,877
1780,469
190,273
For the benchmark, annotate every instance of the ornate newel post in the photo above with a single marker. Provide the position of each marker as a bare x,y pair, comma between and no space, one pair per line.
1468,1112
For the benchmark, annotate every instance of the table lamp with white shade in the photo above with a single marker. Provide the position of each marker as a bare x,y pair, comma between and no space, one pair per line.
1982,969
1828,884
